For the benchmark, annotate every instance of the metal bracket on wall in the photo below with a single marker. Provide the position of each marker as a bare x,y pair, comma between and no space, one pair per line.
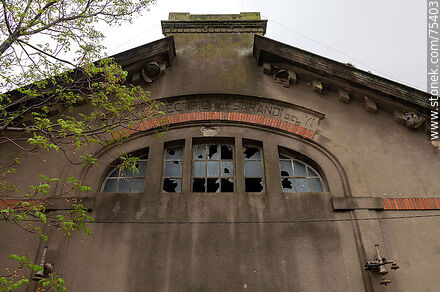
377,265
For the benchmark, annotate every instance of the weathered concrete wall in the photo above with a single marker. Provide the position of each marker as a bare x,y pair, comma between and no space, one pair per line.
151,253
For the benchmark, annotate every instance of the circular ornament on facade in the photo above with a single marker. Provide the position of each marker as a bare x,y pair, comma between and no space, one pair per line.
151,72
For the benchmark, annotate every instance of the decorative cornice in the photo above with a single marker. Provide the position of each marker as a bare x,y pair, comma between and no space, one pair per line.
230,23
163,48
268,50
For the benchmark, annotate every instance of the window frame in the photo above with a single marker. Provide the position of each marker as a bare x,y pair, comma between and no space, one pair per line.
246,143
166,147
144,157
219,143
307,177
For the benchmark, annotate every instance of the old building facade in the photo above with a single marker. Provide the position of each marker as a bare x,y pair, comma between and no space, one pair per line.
281,170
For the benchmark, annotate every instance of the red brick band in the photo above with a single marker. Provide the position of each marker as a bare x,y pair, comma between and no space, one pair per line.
411,204
219,116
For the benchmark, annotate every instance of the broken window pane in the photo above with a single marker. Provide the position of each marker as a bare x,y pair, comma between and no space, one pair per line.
173,165
227,169
226,152
253,184
110,185
252,153
213,185
175,153
315,185
213,153
286,168
199,169
299,169
199,185
200,152
287,185
253,168
303,179
227,185
173,168
137,186
213,169
301,185
209,163
172,185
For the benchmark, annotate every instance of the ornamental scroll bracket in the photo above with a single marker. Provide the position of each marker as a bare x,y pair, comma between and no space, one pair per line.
280,75
149,73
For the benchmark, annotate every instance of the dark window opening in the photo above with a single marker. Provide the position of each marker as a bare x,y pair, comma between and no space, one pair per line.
199,185
254,184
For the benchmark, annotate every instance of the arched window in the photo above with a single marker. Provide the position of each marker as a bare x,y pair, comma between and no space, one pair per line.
129,179
298,176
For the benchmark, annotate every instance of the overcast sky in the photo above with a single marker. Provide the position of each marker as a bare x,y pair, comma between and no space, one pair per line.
386,37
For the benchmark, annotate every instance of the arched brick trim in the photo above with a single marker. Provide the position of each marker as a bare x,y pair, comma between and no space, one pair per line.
218,116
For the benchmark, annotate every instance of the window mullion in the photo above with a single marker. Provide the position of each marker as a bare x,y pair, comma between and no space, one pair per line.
239,166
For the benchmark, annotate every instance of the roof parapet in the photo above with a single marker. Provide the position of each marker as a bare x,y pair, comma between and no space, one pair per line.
245,22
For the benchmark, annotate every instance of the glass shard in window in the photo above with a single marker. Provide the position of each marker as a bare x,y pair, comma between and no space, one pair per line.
213,153
173,168
174,153
171,185
213,185
200,152
286,168
227,169
287,185
252,153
